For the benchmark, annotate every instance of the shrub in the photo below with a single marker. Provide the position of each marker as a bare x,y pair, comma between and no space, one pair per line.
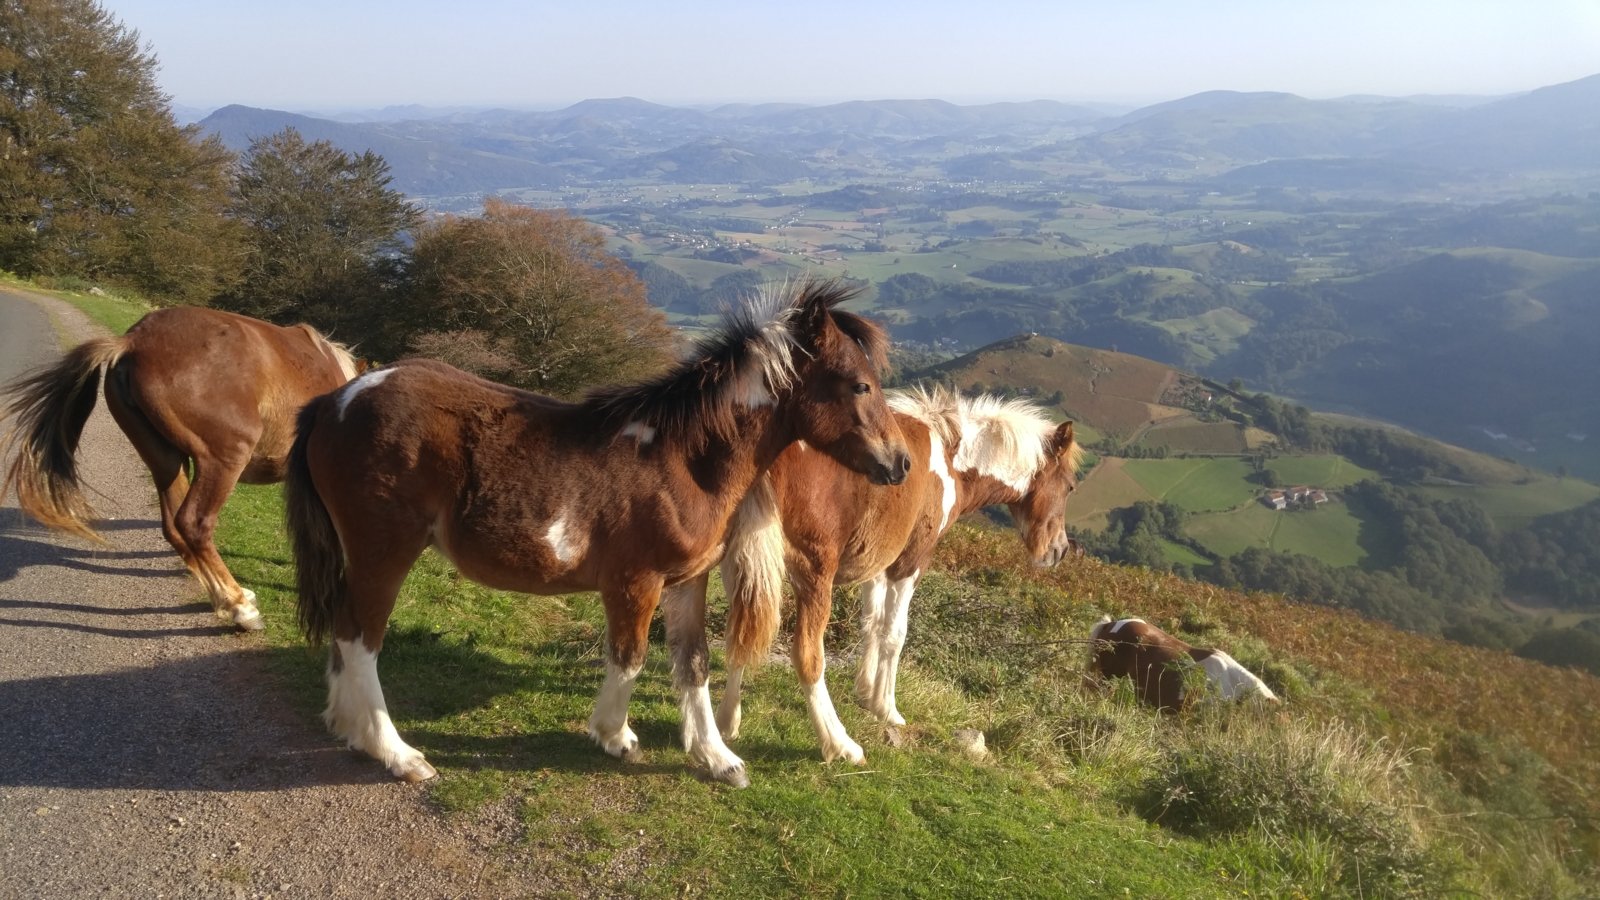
1311,785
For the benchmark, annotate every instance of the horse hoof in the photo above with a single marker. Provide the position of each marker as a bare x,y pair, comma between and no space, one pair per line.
249,621
414,771
733,776
849,751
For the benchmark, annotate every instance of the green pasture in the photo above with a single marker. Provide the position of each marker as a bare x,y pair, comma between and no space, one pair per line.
1178,553
1514,506
1323,471
1331,532
1197,485
1187,434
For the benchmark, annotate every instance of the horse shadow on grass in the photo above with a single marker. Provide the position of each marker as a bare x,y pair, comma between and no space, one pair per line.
247,720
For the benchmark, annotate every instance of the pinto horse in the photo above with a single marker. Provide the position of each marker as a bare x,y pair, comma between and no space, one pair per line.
1153,660
627,492
185,384
822,524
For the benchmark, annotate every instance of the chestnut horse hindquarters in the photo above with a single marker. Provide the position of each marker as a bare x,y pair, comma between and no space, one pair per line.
185,384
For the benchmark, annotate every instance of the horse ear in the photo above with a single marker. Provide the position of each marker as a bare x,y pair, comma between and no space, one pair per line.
1062,441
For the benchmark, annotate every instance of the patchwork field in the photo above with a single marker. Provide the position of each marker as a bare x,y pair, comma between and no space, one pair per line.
1330,532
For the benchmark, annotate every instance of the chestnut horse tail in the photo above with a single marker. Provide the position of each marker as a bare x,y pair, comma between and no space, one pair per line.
752,575
48,409
318,555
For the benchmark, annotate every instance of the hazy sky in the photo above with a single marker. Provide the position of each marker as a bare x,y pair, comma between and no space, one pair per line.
336,54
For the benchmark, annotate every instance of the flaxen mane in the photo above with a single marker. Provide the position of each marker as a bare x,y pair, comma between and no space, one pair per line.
1004,439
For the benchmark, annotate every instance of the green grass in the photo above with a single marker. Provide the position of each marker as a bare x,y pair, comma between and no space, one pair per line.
116,313
1331,532
1326,471
496,689
1197,485
1514,506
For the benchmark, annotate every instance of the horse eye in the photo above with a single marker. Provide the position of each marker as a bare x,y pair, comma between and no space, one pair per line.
863,388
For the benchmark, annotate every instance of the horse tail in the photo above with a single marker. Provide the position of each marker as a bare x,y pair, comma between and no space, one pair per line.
48,409
318,554
752,575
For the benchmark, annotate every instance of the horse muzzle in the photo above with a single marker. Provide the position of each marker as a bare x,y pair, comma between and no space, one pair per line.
892,472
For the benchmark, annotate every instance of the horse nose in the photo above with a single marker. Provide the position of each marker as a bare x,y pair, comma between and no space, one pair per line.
902,466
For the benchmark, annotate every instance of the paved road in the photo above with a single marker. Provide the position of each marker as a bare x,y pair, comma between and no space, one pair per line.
144,749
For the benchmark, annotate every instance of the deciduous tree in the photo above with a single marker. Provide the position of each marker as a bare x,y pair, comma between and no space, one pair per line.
531,298
96,179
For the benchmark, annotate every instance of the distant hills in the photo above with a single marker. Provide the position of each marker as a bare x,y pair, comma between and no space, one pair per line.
446,152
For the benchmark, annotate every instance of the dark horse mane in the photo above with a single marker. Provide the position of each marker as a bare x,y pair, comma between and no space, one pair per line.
753,352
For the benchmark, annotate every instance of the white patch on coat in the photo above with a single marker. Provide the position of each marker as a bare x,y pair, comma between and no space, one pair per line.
941,471
1234,681
640,432
568,548
1122,622
349,391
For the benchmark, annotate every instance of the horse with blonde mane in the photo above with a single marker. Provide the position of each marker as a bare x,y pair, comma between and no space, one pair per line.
628,491
820,524
187,385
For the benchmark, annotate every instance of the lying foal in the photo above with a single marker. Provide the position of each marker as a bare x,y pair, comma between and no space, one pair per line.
1149,657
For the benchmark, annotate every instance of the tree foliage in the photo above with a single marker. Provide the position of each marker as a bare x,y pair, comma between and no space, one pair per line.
528,297
322,230
96,179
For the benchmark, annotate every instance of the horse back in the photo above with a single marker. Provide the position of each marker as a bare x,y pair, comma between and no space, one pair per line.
519,491
208,380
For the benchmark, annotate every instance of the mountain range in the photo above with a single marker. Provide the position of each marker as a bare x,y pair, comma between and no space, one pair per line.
450,152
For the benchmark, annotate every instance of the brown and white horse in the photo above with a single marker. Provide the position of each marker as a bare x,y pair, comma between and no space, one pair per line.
627,492
184,384
824,525
1153,660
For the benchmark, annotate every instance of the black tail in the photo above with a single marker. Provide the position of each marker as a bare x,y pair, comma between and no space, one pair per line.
48,409
318,555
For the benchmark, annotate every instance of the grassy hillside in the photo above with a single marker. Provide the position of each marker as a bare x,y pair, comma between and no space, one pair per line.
1070,800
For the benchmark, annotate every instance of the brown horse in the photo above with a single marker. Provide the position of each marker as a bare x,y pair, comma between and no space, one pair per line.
825,525
627,492
184,384
1153,660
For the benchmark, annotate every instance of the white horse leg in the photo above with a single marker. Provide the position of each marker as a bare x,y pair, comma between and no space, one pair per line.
836,742
872,599
609,724
357,714
685,608
895,618
730,712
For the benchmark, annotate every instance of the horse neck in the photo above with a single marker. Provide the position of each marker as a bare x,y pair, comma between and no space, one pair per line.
974,491
726,465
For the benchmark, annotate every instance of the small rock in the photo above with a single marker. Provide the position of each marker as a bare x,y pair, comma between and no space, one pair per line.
42,811
970,741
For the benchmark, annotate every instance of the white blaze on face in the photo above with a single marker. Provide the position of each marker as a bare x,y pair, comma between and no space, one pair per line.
1234,681
349,391
567,546
941,471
